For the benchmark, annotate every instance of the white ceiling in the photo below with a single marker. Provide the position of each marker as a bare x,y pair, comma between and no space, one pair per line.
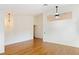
32,9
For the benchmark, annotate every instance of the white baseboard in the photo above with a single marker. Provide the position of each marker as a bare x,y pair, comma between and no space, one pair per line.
2,50
74,43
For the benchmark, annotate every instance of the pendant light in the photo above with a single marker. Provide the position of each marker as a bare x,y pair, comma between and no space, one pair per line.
56,14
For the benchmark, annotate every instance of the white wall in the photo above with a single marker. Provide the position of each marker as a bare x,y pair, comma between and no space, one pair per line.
22,30
62,31
38,22
1,33
76,17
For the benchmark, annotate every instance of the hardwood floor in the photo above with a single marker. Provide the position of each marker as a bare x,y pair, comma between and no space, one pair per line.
38,47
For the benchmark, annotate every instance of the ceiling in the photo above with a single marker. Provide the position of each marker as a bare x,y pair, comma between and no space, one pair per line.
33,9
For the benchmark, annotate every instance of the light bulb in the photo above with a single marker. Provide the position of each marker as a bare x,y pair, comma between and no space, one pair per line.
57,17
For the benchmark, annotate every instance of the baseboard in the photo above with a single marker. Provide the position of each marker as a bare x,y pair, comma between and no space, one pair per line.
16,42
2,53
63,43
37,38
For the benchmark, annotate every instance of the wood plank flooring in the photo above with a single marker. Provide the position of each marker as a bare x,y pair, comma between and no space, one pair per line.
38,47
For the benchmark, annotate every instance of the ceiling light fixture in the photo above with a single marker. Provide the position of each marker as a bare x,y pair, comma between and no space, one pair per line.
45,5
56,14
